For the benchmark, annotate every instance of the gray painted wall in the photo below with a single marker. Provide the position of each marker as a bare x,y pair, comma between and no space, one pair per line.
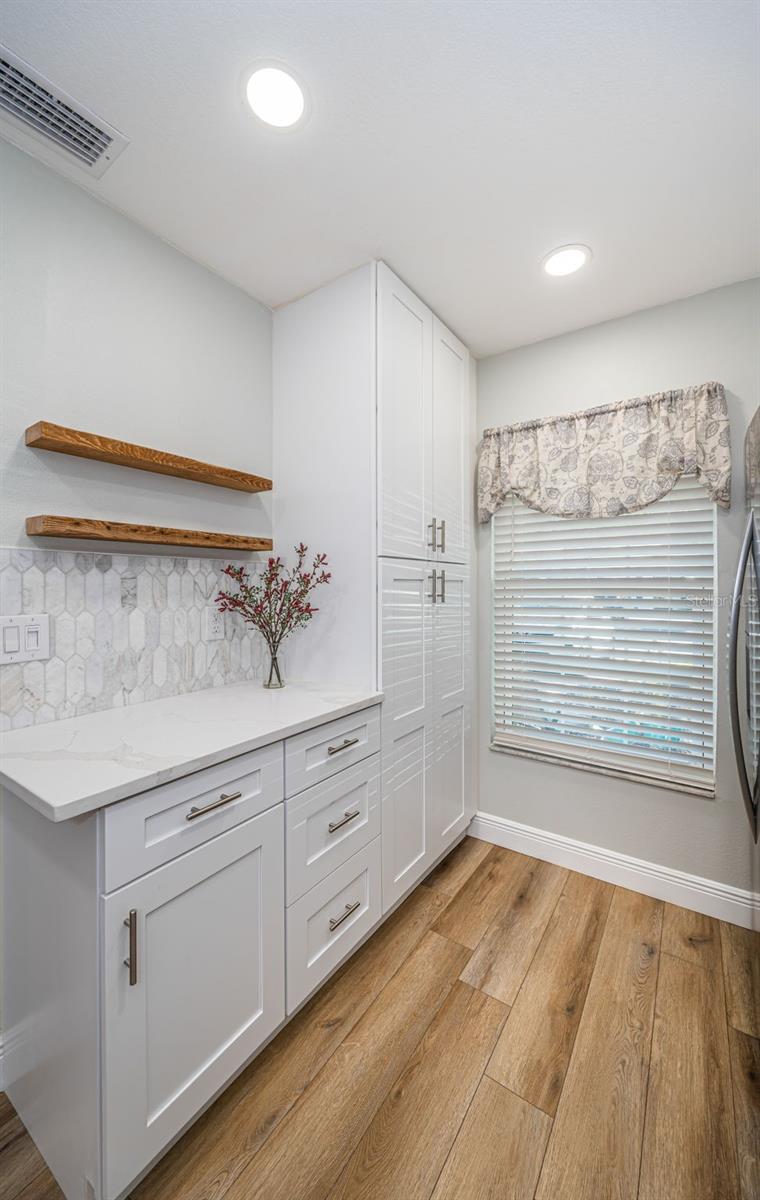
106,328
712,336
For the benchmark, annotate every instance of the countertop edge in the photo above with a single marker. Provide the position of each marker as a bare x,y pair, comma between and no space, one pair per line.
104,798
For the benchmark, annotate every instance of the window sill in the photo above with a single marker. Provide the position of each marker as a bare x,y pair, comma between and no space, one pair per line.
558,760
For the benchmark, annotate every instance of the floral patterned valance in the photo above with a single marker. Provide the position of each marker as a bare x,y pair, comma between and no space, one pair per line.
609,460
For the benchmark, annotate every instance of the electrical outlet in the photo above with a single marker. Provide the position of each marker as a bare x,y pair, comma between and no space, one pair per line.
213,625
25,638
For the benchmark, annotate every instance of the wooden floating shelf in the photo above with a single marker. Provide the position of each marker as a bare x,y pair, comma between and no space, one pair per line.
46,436
119,531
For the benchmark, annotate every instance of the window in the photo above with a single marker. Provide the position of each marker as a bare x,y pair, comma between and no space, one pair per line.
603,638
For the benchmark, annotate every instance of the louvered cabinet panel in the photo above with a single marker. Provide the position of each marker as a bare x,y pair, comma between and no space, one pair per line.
452,805
408,724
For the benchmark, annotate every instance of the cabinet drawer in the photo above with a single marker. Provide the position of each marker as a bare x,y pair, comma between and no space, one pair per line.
319,753
329,822
325,924
157,826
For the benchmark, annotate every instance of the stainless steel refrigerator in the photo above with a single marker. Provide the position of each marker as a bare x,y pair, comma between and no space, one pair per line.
744,648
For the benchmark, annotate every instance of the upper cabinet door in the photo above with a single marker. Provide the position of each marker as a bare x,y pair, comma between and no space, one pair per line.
203,989
451,432
404,400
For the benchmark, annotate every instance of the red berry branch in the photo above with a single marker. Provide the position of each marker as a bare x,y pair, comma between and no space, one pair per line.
277,601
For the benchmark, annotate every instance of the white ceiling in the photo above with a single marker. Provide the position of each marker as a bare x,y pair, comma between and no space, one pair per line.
459,140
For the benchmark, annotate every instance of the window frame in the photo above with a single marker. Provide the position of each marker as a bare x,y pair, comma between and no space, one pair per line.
631,767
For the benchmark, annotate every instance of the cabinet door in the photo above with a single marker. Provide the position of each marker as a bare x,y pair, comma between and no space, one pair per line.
408,724
451,432
207,987
404,399
451,802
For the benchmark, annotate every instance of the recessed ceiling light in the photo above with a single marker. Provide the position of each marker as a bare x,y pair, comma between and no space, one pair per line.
566,259
275,97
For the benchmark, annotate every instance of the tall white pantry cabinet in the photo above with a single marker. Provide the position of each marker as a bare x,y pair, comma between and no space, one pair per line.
374,442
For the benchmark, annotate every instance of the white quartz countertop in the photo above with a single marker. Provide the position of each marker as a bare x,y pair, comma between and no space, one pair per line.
67,768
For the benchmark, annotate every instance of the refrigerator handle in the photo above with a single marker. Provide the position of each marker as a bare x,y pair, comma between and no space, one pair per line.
755,557
750,802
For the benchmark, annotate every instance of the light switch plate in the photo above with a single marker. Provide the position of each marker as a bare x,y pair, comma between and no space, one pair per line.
24,638
213,624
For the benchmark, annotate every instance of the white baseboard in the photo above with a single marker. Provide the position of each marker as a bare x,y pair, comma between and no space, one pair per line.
2,1066
720,900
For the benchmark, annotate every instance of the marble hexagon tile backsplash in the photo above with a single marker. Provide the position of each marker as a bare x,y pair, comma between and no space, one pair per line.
124,628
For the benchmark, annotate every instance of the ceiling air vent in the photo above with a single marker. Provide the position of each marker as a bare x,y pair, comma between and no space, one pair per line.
31,105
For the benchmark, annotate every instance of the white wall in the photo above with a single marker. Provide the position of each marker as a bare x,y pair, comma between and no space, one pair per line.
324,426
712,336
108,329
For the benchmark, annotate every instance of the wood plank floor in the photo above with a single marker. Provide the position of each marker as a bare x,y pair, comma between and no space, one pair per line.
515,1031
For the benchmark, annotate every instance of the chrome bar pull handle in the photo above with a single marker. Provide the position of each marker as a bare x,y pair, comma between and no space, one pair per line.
347,816
131,962
442,546
343,746
443,587
223,799
433,527
433,592
336,921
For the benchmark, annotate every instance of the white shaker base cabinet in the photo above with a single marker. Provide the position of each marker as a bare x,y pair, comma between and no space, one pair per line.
148,947
328,922
205,990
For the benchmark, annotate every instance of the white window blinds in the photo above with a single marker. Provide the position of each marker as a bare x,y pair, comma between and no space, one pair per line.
603,638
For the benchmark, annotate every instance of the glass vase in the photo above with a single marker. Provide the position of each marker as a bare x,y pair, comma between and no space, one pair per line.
274,679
